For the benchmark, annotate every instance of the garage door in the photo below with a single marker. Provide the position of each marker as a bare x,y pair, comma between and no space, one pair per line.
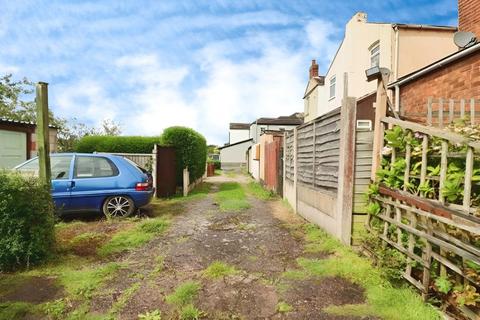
13,148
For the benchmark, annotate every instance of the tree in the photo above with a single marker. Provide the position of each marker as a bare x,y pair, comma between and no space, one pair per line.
13,106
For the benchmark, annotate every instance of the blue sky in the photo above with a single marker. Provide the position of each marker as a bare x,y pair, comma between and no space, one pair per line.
152,64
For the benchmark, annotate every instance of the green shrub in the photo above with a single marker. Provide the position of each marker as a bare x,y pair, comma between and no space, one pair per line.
26,221
217,164
190,151
116,144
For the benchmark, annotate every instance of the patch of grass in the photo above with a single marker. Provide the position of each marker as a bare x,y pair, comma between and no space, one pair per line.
354,310
219,269
231,174
218,172
184,294
319,241
16,310
83,282
295,275
86,237
67,225
383,300
136,237
155,226
259,192
151,315
245,226
231,197
190,312
283,307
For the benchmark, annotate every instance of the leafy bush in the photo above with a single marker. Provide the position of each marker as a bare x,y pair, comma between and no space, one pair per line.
217,164
190,150
117,144
26,221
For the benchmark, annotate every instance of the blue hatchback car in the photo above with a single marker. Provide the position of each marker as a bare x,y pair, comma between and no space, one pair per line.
95,182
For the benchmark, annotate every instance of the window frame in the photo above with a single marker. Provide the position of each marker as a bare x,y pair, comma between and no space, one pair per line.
332,83
374,50
115,169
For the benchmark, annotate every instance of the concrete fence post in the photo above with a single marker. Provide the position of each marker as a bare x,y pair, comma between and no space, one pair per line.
154,167
186,182
346,168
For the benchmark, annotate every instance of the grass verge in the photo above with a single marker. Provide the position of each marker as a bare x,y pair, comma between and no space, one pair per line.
231,197
184,294
383,300
259,192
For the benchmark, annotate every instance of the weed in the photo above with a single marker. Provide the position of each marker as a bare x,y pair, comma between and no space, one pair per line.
259,192
283,307
55,309
86,237
15,310
160,261
219,269
245,226
190,312
152,315
124,298
231,197
184,294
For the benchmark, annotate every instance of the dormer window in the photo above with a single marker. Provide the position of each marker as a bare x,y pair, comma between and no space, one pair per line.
375,54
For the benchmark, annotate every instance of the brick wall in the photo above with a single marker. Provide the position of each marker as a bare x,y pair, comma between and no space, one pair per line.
458,80
469,16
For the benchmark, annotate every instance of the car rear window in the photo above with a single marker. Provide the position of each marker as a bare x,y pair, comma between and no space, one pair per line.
142,170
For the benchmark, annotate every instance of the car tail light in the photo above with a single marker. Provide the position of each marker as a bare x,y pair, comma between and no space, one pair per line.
142,186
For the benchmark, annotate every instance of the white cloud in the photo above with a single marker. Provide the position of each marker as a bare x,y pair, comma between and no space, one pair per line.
269,84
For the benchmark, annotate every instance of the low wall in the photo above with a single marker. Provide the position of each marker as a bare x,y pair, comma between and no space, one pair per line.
290,193
318,207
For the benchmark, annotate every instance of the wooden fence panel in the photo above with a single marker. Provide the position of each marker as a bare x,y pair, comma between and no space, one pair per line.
289,157
318,148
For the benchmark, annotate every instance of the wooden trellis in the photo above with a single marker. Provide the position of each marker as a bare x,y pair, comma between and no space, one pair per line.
412,219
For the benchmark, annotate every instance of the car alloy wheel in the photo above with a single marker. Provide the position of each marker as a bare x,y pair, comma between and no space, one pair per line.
118,207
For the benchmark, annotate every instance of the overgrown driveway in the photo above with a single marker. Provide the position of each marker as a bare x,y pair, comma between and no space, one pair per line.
231,251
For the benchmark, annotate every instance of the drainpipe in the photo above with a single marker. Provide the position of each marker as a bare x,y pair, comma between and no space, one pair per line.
397,98
397,51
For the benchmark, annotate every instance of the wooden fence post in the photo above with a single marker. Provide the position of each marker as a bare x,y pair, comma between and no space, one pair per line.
346,168
154,167
380,112
42,132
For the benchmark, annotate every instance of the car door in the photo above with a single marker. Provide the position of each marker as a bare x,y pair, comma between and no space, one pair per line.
61,169
94,179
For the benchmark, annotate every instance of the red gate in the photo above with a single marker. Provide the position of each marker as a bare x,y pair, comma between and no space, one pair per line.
274,165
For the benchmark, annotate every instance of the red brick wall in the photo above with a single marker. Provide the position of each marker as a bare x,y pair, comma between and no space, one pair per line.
469,16
458,80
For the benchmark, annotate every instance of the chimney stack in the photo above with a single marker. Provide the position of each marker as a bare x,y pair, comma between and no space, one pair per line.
469,16
313,72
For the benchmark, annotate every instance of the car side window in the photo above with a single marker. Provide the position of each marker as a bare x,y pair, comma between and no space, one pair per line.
60,167
94,167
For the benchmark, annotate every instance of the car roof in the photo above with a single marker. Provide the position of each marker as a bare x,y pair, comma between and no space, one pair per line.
104,155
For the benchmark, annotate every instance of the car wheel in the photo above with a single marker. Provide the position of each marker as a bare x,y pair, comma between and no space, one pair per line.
118,207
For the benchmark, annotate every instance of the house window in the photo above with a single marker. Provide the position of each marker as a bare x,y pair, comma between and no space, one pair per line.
375,55
333,81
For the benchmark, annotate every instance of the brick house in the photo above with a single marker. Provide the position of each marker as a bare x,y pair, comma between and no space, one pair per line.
456,76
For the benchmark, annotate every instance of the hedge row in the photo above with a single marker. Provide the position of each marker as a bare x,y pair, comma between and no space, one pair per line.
26,221
117,144
190,150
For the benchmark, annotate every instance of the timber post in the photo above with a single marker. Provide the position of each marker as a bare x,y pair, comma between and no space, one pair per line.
42,132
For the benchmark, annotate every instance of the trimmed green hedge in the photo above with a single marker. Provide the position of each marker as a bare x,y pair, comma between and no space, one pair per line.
26,221
117,144
190,151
